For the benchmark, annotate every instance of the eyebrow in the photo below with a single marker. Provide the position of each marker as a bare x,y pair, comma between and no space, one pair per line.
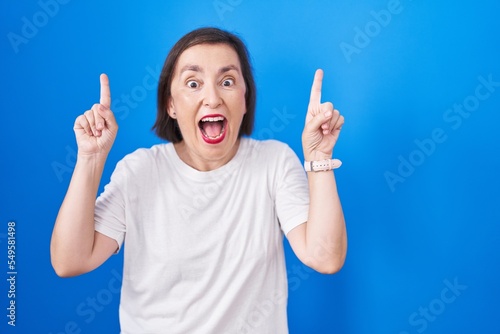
196,68
229,68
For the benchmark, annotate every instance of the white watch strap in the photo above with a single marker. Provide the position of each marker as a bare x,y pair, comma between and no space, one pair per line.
322,165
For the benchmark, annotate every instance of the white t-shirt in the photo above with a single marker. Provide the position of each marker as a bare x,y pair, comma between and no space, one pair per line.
204,250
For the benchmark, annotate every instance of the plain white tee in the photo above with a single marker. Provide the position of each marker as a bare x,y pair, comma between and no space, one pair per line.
204,250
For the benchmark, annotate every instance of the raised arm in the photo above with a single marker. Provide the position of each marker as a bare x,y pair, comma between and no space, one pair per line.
75,247
321,243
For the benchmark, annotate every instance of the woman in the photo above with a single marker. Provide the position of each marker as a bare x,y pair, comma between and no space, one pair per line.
203,217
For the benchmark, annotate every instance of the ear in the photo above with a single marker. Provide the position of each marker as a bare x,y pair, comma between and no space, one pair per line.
170,109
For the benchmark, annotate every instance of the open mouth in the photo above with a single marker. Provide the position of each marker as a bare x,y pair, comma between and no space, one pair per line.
213,128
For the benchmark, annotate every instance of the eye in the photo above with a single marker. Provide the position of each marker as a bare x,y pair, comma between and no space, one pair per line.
192,84
228,82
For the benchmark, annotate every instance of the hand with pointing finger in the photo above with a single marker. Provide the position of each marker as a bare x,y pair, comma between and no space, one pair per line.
323,124
96,129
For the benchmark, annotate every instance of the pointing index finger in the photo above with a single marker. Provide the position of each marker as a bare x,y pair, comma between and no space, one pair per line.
105,91
316,87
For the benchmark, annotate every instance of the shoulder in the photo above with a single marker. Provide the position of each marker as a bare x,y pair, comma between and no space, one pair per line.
151,153
271,153
143,158
269,146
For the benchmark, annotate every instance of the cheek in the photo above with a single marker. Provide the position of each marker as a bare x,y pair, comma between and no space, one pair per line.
244,105
242,101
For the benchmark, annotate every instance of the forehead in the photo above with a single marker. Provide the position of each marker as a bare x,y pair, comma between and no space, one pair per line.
209,56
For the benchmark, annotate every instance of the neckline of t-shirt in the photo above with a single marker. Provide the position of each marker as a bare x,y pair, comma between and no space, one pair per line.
195,174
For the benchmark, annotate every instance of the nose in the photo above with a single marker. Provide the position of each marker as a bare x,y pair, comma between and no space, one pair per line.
212,98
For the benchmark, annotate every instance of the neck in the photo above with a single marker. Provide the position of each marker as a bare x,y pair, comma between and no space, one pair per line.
205,163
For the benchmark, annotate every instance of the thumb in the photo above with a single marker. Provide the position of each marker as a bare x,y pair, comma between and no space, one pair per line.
317,120
109,118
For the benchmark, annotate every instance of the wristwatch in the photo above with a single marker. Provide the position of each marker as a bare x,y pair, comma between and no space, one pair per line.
322,165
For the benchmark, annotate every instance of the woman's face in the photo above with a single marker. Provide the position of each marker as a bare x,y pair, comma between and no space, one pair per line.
208,101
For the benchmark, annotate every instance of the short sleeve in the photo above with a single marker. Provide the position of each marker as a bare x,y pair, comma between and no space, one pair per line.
292,191
110,207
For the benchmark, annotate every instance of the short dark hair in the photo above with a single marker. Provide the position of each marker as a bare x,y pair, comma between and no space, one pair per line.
166,127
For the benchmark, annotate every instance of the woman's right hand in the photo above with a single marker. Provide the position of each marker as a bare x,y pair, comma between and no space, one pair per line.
96,129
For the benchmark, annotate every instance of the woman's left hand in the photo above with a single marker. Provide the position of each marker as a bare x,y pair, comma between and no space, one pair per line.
323,124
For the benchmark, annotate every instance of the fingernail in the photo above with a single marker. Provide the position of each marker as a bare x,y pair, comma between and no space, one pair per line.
328,113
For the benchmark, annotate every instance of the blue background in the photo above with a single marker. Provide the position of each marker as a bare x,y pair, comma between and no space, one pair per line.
419,184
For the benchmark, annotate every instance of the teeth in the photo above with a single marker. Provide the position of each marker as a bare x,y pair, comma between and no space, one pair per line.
213,119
